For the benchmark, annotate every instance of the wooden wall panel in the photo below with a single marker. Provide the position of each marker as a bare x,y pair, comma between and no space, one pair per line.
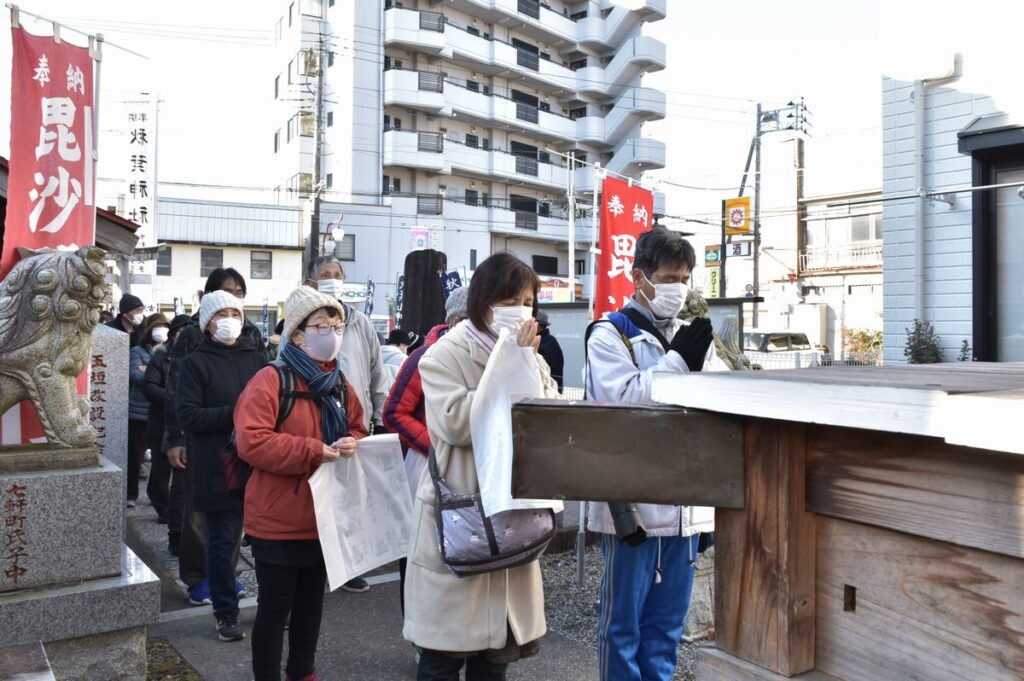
764,556
714,665
922,609
920,485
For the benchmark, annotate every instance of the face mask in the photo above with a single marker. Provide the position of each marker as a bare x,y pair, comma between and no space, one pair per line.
137,318
228,330
510,318
321,347
160,334
330,287
668,298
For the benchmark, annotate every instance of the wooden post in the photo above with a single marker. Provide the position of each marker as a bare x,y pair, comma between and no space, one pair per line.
765,556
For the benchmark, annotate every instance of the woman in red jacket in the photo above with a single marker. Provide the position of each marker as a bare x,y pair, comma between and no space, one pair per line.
279,515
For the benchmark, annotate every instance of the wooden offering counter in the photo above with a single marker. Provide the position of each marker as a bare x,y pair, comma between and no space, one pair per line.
882,531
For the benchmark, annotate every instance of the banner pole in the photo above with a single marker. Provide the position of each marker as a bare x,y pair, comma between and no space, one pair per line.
594,227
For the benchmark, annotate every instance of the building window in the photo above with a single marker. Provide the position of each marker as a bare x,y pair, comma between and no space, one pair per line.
472,141
545,264
306,124
163,262
277,86
397,184
473,85
209,260
386,184
347,248
330,59
291,70
471,197
330,119
581,267
330,180
578,64
485,199
301,184
290,129
472,258
291,13
261,265
277,141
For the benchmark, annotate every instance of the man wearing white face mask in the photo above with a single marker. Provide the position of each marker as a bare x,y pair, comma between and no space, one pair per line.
131,313
212,378
648,576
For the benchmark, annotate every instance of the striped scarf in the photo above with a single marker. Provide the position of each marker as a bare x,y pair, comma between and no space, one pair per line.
333,418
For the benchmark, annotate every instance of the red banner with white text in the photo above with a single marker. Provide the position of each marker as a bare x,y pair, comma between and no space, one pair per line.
50,191
626,211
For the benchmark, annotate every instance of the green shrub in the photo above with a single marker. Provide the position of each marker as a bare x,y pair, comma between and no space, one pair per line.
922,344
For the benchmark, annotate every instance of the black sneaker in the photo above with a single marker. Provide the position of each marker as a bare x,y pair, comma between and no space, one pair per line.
356,585
228,629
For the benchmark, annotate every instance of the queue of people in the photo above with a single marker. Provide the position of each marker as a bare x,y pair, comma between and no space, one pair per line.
238,455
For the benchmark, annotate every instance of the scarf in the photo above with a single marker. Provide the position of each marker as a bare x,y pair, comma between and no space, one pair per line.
333,418
483,338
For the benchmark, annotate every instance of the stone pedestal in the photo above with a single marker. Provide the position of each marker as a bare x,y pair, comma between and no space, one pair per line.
66,578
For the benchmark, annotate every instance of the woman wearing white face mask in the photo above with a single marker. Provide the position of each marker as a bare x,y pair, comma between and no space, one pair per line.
154,332
492,619
211,379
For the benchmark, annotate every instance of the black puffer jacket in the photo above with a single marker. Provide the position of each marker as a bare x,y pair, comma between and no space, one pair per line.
211,380
155,389
188,339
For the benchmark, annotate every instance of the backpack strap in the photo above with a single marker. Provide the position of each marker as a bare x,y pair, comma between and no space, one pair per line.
622,334
287,394
644,324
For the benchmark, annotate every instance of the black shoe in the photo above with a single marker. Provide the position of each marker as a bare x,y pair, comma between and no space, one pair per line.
356,585
173,542
228,628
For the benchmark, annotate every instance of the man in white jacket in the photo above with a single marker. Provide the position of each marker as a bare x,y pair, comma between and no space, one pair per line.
645,589
359,357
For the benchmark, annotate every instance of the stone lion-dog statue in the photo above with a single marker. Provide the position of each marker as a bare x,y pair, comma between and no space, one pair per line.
49,305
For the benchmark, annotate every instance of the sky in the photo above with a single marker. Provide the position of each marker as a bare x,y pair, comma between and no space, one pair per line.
211,63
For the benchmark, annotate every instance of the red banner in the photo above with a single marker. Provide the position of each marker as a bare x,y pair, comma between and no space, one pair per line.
626,211
50,191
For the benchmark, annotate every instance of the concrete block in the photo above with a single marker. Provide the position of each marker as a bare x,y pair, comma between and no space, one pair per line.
700,618
60,526
115,655
108,390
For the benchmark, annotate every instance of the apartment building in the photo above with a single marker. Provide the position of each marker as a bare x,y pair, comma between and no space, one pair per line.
452,115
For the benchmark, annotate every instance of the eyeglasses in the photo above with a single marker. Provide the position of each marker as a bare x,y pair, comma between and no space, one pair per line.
324,329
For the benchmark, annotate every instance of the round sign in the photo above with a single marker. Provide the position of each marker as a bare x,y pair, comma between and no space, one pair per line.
750,288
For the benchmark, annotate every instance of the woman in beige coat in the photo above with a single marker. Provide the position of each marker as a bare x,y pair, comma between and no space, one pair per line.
486,621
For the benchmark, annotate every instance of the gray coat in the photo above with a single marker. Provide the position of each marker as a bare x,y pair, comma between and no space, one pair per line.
138,405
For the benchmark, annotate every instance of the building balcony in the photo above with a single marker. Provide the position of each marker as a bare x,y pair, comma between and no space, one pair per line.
492,164
414,30
418,90
528,17
606,34
856,256
638,155
634,107
420,150
494,111
642,54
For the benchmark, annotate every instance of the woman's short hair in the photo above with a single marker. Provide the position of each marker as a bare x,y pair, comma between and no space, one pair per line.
499,277
658,247
331,312
222,274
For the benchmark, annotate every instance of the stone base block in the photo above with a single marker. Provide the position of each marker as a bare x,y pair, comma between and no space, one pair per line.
115,655
60,526
71,611
700,618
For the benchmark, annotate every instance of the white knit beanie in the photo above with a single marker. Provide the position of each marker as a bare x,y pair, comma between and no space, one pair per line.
301,303
215,301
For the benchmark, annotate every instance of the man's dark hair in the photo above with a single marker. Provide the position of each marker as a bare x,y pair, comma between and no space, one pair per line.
316,263
498,278
658,247
222,274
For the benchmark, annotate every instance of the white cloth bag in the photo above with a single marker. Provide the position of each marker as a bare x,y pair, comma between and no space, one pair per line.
512,374
363,509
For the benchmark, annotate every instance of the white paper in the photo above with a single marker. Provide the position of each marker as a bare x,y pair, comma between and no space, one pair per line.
512,374
363,509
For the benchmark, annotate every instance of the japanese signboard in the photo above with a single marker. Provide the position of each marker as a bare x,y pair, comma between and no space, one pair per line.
714,283
136,153
712,255
626,211
371,288
739,249
52,172
399,299
450,281
556,290
737,215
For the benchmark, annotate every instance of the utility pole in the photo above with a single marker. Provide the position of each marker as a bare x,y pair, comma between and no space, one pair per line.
314,228
572,227
757,214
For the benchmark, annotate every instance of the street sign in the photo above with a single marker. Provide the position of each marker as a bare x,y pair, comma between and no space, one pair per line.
737,215
740,249
146,254
714,283
712,255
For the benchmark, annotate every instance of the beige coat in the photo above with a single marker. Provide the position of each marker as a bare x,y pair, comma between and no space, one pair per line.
442,611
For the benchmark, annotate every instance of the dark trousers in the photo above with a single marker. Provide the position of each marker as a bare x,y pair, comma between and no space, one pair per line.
136,452
158,487
224,530
175,508
287,591
435,666
192,545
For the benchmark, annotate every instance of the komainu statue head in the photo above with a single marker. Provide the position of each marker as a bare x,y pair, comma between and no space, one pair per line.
49,305
726,338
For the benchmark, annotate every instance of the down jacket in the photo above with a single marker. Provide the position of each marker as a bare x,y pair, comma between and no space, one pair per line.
404,411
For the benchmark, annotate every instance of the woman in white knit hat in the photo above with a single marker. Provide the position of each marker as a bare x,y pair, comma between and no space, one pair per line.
323,422
211,379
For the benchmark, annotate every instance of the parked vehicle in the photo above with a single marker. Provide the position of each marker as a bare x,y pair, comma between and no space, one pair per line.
781,350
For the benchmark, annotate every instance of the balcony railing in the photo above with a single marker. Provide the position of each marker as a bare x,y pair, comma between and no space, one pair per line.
526,165
527,112
528,60
432,21
530,8
848,256
431,82
430,141
526,220
429,204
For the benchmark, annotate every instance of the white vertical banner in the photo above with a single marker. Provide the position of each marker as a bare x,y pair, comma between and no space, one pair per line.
137,130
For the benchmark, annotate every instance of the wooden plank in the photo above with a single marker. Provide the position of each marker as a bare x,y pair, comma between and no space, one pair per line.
590,451
714,665
764,556
984,420
918,485
921,609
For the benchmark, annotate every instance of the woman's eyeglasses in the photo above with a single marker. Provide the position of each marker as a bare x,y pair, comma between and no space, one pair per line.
324,329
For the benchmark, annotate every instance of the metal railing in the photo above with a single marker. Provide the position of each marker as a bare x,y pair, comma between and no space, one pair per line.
530,8
430,82
527,59
429,204
809,359
526,165
526,220
430,141
842,257
432,21
527,112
